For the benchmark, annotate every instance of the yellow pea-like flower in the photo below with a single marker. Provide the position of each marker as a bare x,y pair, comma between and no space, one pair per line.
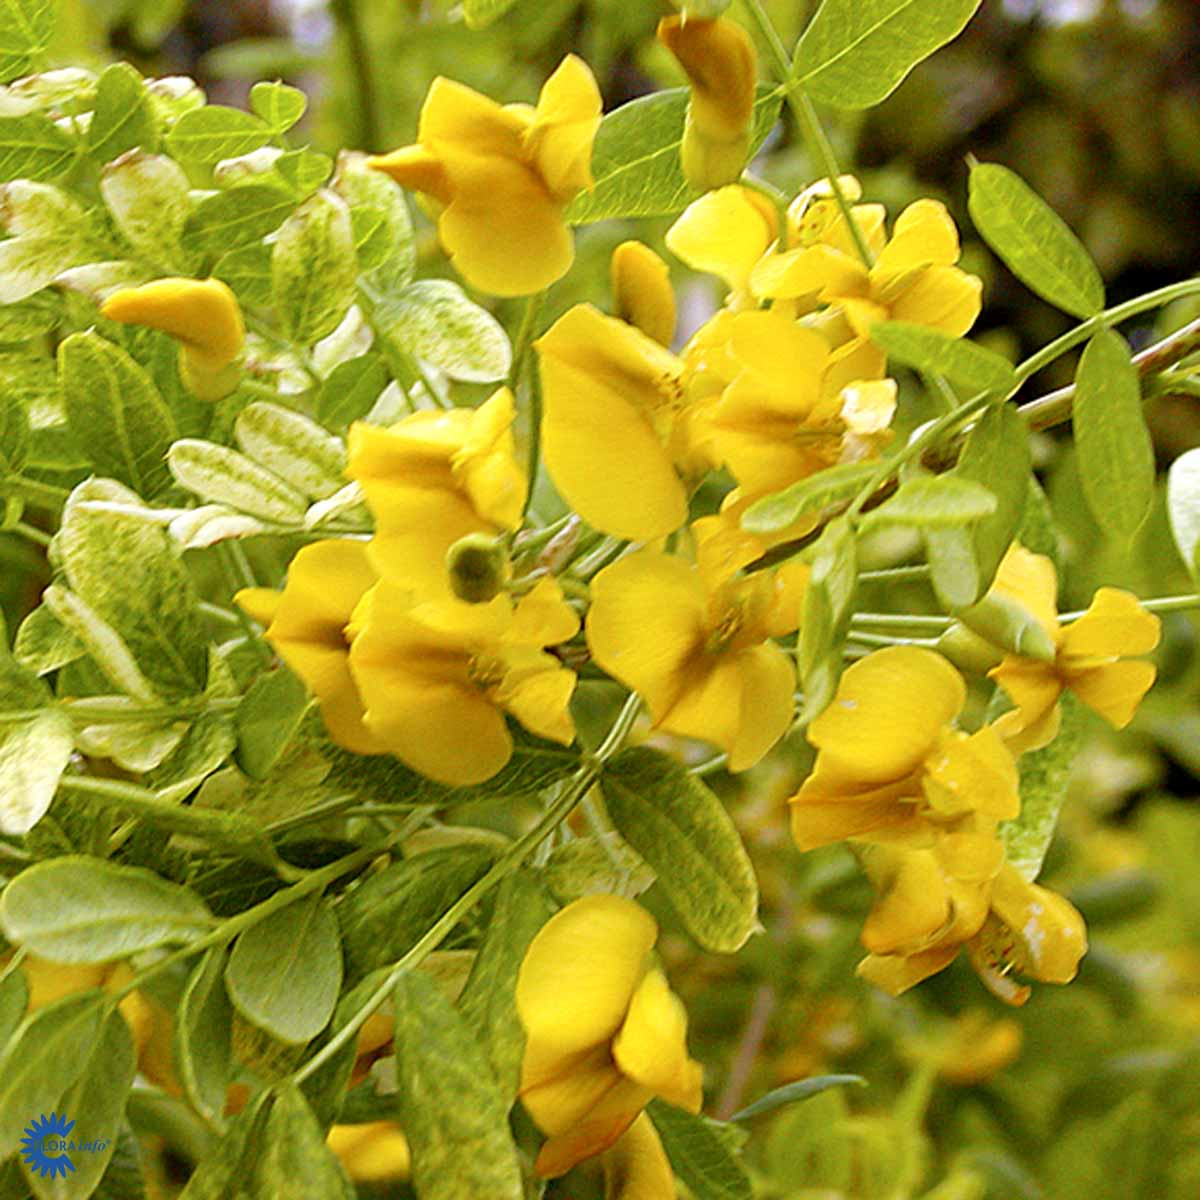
637,1168
604,1035
501,176
722,69
203,315
642,294
1089,654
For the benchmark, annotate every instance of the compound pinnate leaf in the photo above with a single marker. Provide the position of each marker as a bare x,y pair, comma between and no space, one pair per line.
207,135
279,104
682,830
238,217
854,53
1034,242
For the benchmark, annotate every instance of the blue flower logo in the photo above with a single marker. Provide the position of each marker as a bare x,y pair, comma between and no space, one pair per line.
45,1160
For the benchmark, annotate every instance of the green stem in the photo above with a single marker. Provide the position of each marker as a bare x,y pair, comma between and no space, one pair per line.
37,493
554,815
902,621
347,15
895,574
881,639
29,532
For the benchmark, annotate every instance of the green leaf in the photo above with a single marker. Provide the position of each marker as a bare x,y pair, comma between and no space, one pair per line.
208,743
33,756
248,271
149,198
487,1003
1183,508
791,1093
1035,243
962,362
293,1159
586,865
209,134
636,159
33,147
372,243
683,831
699,1155
1044,777
77,909
781,509
14,433
223,1173
434,321
828,604
363,188
350,391
26,319
385,915
97,1102
854,53
122,118
241,215
46,1055
285,972
28,264
996,456
26,26
1115,454
953,570
293,447
479,14
933,501
448,1102
131,575
202,1036
314,271
267,719
278,104
115,413
303,170
14,999
222,475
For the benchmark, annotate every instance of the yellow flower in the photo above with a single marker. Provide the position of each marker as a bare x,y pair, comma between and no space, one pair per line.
373,1152
695,645
503,175
722,69
617,428
979,1047
636,1168
890,765
793,408
1089,654
642,295
202,315
913,278
437,679
604,1033
433,478
725,233
1028,931
310,626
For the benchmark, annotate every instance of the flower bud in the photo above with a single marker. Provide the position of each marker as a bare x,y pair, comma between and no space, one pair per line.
967,650
478,566
1010,626
641,284
722,68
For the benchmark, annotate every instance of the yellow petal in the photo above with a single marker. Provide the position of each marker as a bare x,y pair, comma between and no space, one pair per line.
374,1152
1021,737
636,1168
887,714
722,67
577,979
564,1090
925,234
600,1129
812,271
821,821
1034,687
942,298
260,604
642,293
538,694
1115,625
415,168
646,624
486,463
325,582
201,313
1051,933
724,233
564,128
896,973
973,774
1030,579
542,617
503,230
765,707
651,1047
458,118
913,904
1114,690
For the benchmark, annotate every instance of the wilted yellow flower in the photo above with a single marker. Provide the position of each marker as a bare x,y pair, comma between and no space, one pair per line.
503,175
310,625
202,315
437,679
1028,931
604,1033
1089,654
433,478
617,429
696,646
725,233
889,763
642,295
722,69
913,278
636,1168
794,408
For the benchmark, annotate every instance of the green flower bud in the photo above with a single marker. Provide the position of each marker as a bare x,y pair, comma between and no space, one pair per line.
478,566
1010,627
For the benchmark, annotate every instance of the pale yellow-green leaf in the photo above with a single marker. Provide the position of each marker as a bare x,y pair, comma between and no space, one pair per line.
293,447
148,197
216,473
